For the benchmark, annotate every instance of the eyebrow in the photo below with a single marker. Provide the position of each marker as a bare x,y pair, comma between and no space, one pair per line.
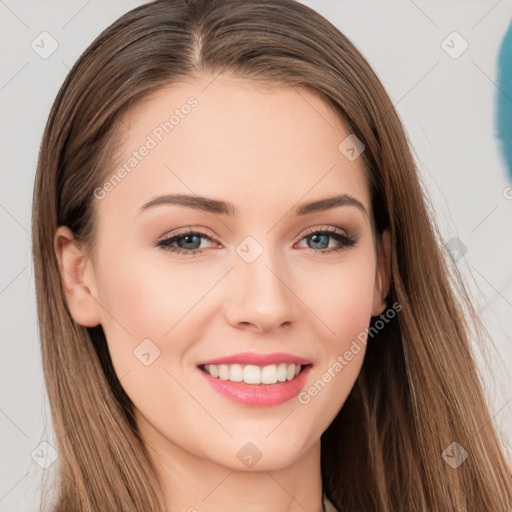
225,208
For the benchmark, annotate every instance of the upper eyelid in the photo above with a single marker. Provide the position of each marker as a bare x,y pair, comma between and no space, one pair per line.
186,231
325,228
206,231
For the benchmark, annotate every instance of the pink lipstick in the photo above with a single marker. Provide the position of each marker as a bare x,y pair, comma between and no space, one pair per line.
258,380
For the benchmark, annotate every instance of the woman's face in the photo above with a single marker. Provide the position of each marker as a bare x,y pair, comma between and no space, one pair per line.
256,277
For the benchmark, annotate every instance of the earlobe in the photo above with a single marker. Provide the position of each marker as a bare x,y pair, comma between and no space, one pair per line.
78,279
383,274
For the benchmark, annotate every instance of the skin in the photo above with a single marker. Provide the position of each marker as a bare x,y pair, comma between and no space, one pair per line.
265,150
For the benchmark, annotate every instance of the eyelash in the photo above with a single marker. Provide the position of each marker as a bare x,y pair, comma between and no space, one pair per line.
344,239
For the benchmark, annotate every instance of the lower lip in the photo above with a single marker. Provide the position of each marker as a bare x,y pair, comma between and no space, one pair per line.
258,395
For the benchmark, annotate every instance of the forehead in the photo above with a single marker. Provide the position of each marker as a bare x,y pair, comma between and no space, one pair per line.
250,143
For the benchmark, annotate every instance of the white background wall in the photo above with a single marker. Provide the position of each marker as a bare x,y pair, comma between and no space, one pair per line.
446,104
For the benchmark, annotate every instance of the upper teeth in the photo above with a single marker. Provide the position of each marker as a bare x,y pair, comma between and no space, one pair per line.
252,374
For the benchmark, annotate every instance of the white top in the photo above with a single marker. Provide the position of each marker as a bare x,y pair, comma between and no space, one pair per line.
329,507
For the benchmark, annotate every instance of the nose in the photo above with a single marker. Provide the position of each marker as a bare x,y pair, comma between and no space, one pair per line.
261,296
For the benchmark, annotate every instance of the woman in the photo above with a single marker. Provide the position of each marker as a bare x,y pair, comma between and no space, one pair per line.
243,302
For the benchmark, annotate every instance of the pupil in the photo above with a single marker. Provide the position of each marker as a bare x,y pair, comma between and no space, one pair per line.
188,237
314,239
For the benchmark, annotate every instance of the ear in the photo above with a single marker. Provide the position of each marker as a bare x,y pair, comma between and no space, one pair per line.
382,273
78,280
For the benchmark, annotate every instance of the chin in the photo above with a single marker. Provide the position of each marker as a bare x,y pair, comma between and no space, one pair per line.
272,453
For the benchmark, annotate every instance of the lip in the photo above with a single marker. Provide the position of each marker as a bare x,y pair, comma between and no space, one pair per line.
257,395
258,359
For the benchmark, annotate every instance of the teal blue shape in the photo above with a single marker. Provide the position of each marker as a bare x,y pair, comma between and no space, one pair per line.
504,101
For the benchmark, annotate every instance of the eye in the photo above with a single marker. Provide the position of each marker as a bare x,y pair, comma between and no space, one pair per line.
188,243
320,240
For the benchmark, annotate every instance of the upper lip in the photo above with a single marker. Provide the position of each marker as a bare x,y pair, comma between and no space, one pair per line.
258,359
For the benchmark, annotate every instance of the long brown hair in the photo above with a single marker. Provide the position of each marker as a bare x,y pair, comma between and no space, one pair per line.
418,390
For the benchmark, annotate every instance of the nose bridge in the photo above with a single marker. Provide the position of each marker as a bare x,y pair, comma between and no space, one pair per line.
263,295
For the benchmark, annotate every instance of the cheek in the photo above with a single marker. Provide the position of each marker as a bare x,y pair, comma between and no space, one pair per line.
341,297
345,310
148,298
